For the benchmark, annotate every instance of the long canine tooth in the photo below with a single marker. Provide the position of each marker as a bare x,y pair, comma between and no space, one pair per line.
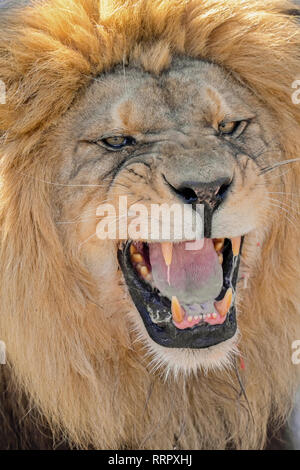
144,271
219,244
132,249
177,310
167,250
223,305
137,258
236,245
220,256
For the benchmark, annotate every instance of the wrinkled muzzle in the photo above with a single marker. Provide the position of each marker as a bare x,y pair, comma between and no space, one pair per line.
185,290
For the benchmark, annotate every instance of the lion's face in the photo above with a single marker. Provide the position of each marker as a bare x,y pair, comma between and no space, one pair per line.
191,135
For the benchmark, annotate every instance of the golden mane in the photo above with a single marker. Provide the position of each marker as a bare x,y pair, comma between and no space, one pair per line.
85,378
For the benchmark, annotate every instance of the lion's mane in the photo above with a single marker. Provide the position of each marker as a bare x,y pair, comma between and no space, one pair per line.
87,382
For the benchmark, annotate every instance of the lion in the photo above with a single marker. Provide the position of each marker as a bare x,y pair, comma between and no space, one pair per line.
125,343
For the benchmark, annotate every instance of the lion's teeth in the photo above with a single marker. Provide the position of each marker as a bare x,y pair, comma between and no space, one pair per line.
144,271
219,244
177,310
220,256
137,258
132,249
190,319
167,250
236,245
223,305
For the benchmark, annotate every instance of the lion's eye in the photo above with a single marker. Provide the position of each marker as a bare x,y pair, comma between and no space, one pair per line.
118,141
228,127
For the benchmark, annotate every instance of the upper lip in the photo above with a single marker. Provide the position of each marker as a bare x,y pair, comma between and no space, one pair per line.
155,310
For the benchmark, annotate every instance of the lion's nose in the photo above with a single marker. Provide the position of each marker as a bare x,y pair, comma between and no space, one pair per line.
211,194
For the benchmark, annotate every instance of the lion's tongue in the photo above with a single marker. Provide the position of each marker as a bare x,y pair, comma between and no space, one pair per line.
193,276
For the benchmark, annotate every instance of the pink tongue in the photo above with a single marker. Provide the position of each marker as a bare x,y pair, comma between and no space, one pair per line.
194,276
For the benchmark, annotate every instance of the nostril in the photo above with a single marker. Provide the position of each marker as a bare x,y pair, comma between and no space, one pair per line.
188,194
212,193
223,190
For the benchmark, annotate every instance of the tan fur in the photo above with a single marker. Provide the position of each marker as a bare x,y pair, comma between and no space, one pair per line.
88,375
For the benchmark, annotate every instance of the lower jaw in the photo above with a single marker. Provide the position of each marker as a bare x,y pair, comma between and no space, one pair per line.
155,312
199,337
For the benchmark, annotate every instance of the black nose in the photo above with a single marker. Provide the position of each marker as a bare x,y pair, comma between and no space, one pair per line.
211,194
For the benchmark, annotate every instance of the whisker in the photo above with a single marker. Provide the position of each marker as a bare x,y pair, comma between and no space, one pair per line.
282,192
67,222
287,218
124,74
273,177
92,210
285,205
263,149
279,205
89,238
63,184
114,221
278,164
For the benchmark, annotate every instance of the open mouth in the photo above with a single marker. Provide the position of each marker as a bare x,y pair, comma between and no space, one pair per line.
184,292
